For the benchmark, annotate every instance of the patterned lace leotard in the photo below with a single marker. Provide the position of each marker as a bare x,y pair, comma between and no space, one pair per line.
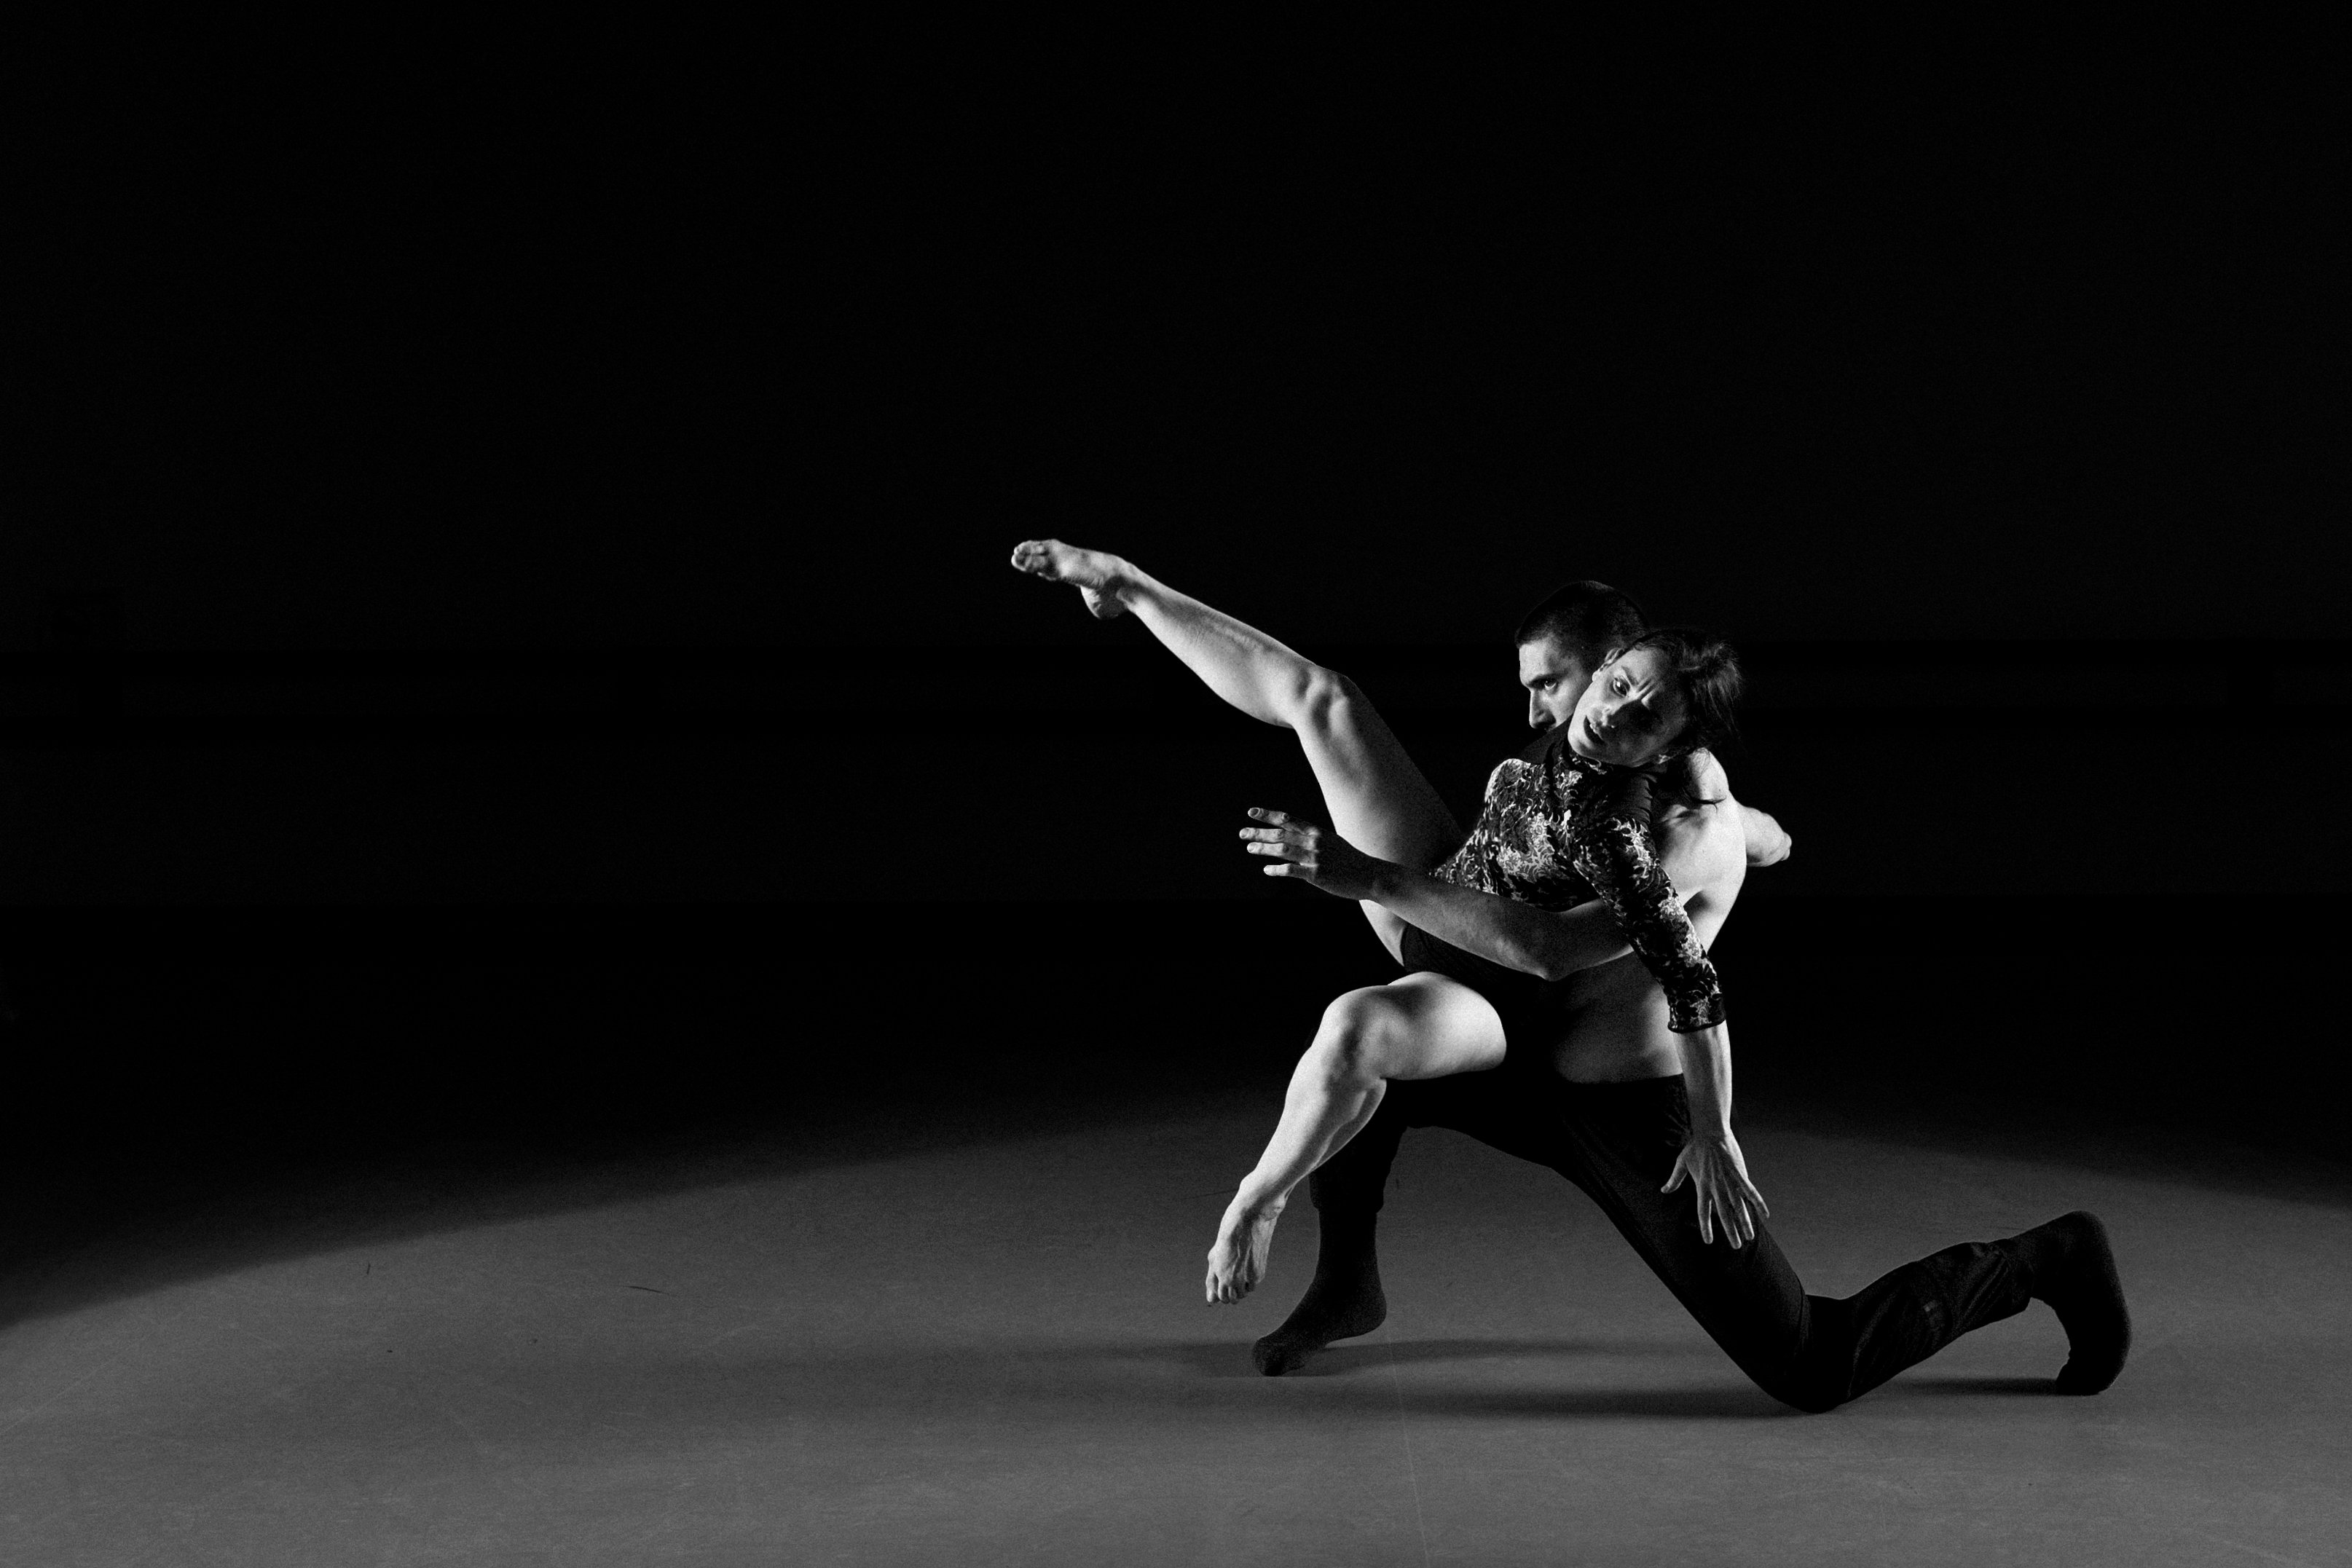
1556,832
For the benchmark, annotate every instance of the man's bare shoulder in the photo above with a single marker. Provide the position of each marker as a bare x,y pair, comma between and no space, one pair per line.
1701,836
1708,780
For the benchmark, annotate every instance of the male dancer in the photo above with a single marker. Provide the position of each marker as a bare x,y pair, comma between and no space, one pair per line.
1605,1105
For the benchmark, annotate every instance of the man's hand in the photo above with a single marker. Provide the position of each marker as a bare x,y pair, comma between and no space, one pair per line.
1317,856
1711,1162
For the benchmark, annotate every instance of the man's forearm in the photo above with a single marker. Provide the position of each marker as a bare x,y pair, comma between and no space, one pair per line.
1503,930
1706,1078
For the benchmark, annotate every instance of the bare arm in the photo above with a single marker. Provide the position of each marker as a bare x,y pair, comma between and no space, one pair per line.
1700,850
1503,930
1711,1161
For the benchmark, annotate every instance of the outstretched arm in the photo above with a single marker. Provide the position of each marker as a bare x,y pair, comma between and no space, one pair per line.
1711,1161
1699,850
1537,942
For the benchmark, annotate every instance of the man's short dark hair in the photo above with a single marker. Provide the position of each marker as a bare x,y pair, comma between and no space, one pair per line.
1588,618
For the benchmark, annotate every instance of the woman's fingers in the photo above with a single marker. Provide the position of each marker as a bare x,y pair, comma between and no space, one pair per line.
1755,1198
1718,1204
1723,1194
1750,1198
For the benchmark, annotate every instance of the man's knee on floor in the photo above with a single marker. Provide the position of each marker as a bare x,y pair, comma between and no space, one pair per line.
1812,1389
1814,1398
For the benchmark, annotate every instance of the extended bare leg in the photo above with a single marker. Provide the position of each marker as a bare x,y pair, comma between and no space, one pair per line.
1422,1025
1376,797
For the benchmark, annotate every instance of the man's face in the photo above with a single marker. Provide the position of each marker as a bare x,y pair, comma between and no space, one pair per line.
1632,710
1555,678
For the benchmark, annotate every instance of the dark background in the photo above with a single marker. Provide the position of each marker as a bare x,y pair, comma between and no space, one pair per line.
638,343
504,633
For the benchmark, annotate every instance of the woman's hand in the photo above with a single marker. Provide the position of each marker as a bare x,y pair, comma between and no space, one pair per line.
1313,855
1711,1162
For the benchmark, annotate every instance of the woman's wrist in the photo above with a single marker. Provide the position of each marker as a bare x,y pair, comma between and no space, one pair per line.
1709,1116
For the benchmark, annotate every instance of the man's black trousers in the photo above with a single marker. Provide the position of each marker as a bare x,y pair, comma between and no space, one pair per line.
1618,1142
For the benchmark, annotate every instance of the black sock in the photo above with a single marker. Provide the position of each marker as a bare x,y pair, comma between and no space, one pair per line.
2073,1269
1344,1300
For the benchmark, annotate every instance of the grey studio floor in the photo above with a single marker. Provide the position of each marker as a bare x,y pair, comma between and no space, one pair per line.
991,1349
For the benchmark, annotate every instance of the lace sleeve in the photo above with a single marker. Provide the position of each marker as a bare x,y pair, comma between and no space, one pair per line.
1615,856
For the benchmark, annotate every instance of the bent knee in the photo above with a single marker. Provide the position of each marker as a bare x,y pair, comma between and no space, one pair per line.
1811,1391
1811,1401
1327,700
1362,1033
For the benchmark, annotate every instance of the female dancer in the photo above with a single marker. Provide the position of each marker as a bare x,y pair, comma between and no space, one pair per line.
1481,924
1612,1103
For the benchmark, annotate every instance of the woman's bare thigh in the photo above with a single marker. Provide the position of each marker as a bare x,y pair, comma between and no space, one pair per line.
1378,801
1442,1028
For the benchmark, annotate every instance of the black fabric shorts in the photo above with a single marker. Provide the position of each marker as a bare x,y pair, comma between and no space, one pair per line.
1531,1019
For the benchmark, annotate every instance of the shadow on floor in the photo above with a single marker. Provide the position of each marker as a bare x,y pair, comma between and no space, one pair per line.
192,1109
1036,1385
1946,1386
1376,1355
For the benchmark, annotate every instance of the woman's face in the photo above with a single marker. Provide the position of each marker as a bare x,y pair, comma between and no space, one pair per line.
1632,710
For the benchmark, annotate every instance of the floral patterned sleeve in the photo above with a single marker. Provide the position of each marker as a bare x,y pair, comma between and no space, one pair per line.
1615,856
